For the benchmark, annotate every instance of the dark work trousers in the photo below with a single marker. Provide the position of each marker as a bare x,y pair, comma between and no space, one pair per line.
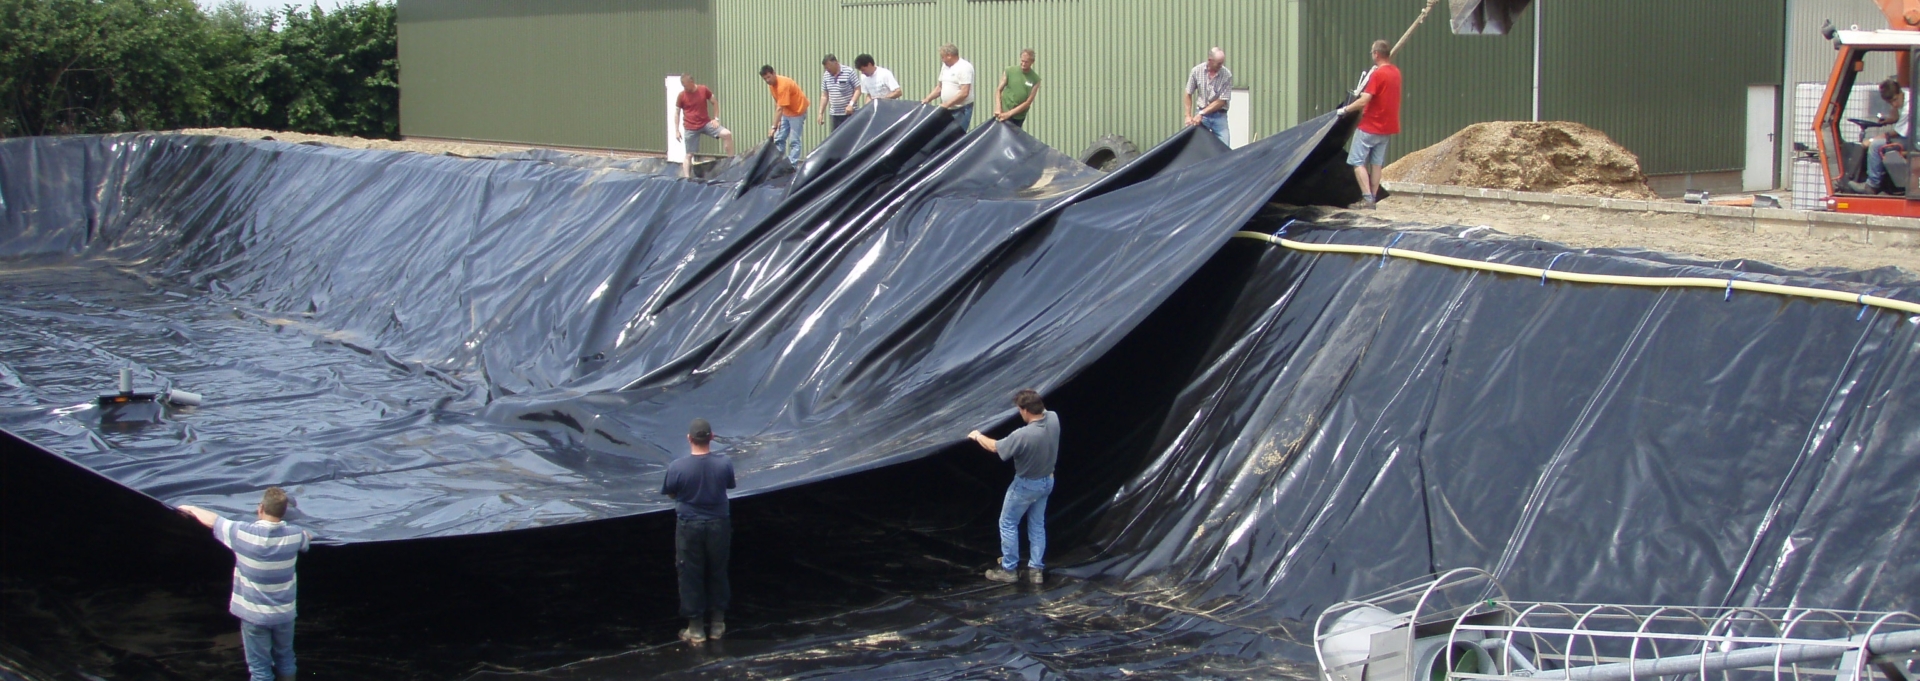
700,551
834,122
1017,122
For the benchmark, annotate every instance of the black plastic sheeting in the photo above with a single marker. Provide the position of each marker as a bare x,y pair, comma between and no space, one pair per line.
424,347
556,327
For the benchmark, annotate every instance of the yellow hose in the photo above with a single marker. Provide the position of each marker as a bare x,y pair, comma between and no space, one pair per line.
1613,279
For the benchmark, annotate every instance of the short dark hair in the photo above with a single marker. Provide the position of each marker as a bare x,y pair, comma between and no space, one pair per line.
766,70
700,432
829,58
863,61
1889,89
274,502
1029,401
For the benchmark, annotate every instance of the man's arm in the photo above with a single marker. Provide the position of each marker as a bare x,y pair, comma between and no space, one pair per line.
1031,95
715,108
965,90
676,122
1358,104
997,94
932,95
205,516
820,114
1186,109
985,442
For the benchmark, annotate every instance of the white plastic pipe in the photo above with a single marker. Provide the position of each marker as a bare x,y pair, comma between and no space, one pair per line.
126,380
183,398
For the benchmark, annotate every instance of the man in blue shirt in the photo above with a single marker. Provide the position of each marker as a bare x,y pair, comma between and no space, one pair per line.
703,536
264,588
1032,448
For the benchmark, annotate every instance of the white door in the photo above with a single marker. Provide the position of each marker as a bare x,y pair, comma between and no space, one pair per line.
676,149
1759,173
1239,117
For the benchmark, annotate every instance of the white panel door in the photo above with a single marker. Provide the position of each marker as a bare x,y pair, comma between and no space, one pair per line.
676,148
1239,118
1761,123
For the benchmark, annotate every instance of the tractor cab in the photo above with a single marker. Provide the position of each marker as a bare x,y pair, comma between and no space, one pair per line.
1845,141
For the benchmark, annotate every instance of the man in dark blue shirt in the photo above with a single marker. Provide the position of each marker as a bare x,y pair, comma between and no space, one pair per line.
703,536
1033,448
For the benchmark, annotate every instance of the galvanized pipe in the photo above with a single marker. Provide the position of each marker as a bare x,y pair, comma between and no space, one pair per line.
1708,663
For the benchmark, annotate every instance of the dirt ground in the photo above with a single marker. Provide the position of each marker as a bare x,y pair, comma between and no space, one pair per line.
1547,156
1684,234
1577,227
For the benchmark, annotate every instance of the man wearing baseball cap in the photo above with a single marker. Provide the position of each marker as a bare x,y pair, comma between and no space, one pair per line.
703,536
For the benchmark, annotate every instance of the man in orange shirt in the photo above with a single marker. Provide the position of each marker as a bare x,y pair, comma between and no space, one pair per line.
789,115
1380,100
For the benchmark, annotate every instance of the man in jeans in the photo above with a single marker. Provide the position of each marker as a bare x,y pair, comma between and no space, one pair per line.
703,535
789,115
838,84
954,90
264,588
1209,91
1380,101
1033,448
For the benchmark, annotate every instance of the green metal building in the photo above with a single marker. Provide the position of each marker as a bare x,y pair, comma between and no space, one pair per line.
1669,79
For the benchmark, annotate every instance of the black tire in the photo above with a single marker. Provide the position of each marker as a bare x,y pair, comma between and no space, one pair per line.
1109,152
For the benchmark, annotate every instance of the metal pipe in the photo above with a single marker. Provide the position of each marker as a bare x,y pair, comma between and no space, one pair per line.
1538,7
1709,663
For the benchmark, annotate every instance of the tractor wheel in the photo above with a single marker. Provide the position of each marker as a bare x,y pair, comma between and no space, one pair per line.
1109,153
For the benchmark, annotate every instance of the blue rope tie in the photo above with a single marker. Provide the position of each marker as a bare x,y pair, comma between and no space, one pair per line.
1389,247
1729,290
1543,273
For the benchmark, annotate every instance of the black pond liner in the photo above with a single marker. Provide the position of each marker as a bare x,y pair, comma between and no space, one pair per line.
434,352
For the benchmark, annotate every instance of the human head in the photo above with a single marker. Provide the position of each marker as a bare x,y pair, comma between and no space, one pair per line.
1382,50
864,63
1028,401
1026,59
1216,57
1889,89
686,81
699,434
830,63
273,503
949,54
767,74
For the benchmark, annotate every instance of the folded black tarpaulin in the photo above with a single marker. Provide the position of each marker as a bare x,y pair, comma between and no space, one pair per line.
554,328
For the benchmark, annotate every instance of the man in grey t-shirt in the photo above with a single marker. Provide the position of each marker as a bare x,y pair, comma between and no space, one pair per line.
1033,448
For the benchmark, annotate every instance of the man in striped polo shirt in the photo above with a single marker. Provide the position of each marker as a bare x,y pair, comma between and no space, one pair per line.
264,552
838,84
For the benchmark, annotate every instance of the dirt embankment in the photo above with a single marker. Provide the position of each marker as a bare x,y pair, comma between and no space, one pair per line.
422,146
1556,156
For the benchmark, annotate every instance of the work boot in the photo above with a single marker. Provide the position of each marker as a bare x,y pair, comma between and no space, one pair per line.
1001,575
695,633
1036,576
717,626
1372,202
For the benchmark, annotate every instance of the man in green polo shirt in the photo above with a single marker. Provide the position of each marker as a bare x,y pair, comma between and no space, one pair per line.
1019,86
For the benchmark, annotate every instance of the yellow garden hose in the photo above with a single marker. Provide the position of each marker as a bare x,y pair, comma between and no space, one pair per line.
1612,279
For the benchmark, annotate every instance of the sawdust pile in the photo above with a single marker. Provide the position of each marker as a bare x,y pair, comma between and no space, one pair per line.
1556,156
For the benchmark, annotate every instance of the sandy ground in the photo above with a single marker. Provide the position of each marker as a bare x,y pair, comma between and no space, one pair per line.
1577,227
1684,234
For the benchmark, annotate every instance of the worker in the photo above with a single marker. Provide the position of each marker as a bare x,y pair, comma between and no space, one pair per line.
1209,92
691,110
838,83
1019,86
876,81
702,533
789,113
1894,141
1033,448
264,588
1379,101
954,91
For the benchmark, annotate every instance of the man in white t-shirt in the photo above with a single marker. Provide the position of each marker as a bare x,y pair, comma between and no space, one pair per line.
876,82
955,90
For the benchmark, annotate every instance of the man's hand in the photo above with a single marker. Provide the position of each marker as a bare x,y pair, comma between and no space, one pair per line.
203,516
849,111
676,134
1193,120
772,129
821,118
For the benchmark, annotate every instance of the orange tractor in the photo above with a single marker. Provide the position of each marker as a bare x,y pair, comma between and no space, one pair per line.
1846,143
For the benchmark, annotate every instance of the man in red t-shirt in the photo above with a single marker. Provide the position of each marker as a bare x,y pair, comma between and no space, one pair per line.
1380,99
691,109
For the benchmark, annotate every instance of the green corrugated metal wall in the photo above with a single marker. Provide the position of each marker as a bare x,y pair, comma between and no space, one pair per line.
1665,78
1110,66
582,73
1671,82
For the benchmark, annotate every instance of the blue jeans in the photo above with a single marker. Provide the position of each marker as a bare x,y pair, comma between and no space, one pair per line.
787,136
269,649
963,115
1877,166
1217,123
1025,498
